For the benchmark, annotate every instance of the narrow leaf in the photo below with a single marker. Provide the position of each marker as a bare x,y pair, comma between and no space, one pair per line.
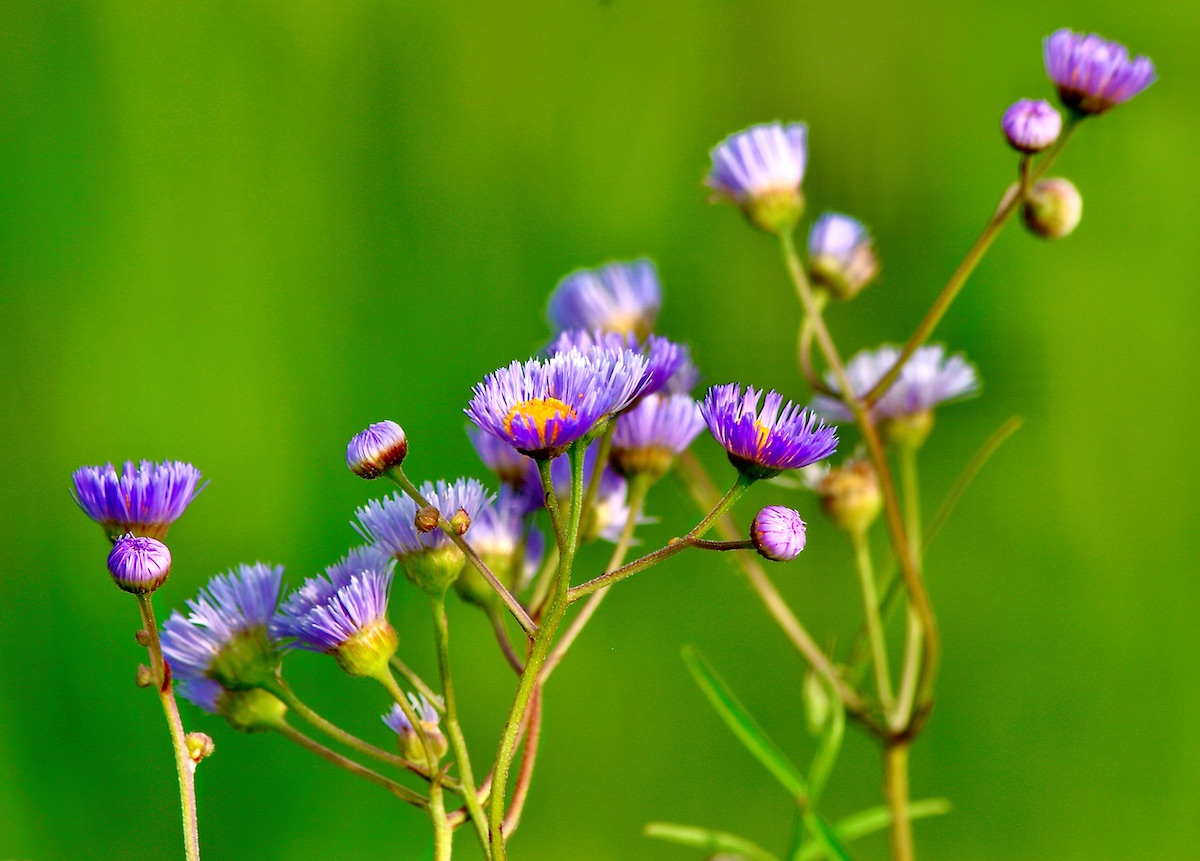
709,841
747,730
831,745
868,822
827,843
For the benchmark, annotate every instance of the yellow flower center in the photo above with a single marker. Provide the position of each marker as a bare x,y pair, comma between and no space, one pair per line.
537,413
763,433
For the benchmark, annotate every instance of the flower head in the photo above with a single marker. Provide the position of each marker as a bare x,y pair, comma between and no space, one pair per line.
663,358
1031,125
542,406
842,256
377,449
649,437
410,740
226,635
778,533
344,614
760,169
1093,74
763,443
622,297
139,564
144,499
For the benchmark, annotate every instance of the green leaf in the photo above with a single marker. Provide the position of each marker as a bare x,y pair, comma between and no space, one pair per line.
709,841
831,745
747,730
868,822
828,843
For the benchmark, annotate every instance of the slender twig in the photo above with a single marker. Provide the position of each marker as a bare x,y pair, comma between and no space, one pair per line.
870,596
913,638
506,646
417,682
512,820
895,786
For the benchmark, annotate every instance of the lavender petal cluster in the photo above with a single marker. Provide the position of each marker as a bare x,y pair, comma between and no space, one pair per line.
1031,125
763,443
841,254
143,499
928,378
389,524
650,436
664,358
1093,74
622,297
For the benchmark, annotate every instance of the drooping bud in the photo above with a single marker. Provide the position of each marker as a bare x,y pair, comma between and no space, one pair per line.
426,519
139,565
778,533
377,449
1031,125
1053,207
850,495
842,257
199,746
411,747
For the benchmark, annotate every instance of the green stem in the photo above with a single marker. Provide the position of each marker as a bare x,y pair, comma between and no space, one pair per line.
506,646
913,634
384,677
895,783
512,819
673,547
603,447
400,791
443,834
866,579
184,766
458,744
417,682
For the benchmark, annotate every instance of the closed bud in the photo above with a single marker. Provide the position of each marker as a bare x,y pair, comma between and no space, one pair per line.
1053,208
199,746
426,519
142,637
377,449
1031,126
778,533
461,521
139,565
850,495
144,677
817,704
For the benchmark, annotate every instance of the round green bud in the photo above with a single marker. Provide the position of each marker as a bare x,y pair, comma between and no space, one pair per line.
367,651
251,711
433,570
1053,208
850,495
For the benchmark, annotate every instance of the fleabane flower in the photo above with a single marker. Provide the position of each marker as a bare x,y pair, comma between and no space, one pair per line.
429,559
760,169
542,406
622,297
143,500
778,533
763,442
841,254
344,614
1093,74
663,358
649,437
225,635
411,746
374,451
928,378
139,564
507,543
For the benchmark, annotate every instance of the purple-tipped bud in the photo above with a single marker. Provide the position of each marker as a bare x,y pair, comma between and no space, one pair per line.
139,565
1093,74
842,256
1031,125
1053,208
778,533
377,449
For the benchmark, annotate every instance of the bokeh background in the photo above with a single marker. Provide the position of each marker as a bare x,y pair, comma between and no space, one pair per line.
236,232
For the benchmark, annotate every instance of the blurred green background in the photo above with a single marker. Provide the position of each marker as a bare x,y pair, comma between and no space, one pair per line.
236,232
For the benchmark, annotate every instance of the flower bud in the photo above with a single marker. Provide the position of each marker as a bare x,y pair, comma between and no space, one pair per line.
199,746
461,521
1053,207
426,519
139,565
144,677
411,747
1031,126
841,254
850,495
142,637
377,449
778,533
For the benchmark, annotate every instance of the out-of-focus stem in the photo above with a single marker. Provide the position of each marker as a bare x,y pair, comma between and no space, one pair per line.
913,638
895,784
866,579
506,646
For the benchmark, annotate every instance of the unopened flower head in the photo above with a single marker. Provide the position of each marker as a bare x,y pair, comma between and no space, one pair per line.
928,378
226,634
377,449
663,358
344,614
410,740
542,406
778,533
760,169
144,499
850,495
763,443
139,564
622,297
841,254
1093,74
1053,207
507,543
649,437
1031,125
428,559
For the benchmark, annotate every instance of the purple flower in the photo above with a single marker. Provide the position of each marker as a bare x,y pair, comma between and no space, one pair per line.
760,169
509,465
617,297
343,614
650,436
1031,125
928,378
200,691
139,564
377,449
778,533
663,357
144,500
398,722
1093,74
389,523
841,254
225,636
542,406
763,443
685,378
